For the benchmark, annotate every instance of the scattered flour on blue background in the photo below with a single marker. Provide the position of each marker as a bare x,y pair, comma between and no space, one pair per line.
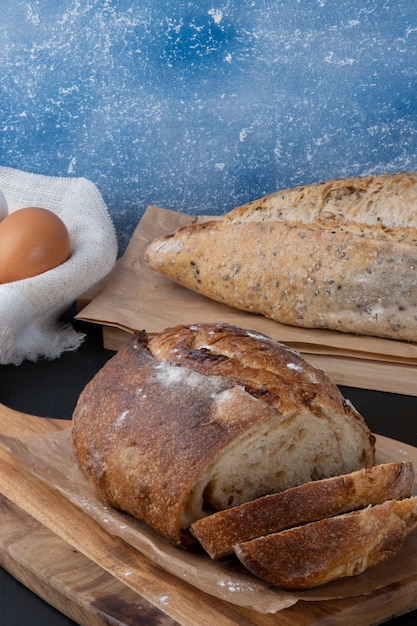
200,107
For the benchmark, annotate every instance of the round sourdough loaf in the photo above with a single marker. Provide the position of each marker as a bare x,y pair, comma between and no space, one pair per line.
204,417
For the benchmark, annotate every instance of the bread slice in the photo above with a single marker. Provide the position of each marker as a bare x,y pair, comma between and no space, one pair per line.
316,553
220,532
204,417
339,254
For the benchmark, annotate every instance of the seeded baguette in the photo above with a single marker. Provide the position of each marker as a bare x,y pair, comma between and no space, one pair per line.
220,532
200,418
340,254
314,554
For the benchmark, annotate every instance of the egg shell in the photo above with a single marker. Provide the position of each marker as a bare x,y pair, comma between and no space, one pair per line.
32,241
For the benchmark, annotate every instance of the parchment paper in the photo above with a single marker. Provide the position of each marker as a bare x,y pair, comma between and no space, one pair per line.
135,297
51,458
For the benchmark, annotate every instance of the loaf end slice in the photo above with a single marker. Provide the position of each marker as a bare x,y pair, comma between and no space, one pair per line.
346,545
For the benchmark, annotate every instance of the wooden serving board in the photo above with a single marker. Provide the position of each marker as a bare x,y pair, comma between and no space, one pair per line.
61,554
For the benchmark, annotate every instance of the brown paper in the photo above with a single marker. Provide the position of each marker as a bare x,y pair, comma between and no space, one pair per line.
135,298
51,459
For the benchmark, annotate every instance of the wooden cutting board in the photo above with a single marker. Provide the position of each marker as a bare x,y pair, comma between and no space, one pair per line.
62,555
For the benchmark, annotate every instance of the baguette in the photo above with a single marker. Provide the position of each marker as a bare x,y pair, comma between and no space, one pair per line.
220,532
316,553
340,254
201,418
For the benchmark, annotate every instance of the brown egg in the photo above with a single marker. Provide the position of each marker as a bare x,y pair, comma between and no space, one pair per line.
32,241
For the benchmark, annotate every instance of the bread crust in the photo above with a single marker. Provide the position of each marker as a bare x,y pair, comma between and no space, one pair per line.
220,532
174,425
316,553
340,254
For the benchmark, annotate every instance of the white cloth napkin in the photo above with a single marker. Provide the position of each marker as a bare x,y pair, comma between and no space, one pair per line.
30,308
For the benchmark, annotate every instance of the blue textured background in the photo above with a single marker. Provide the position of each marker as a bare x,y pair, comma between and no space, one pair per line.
202,106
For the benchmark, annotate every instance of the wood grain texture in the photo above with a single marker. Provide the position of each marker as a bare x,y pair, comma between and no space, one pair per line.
61,554
56,571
